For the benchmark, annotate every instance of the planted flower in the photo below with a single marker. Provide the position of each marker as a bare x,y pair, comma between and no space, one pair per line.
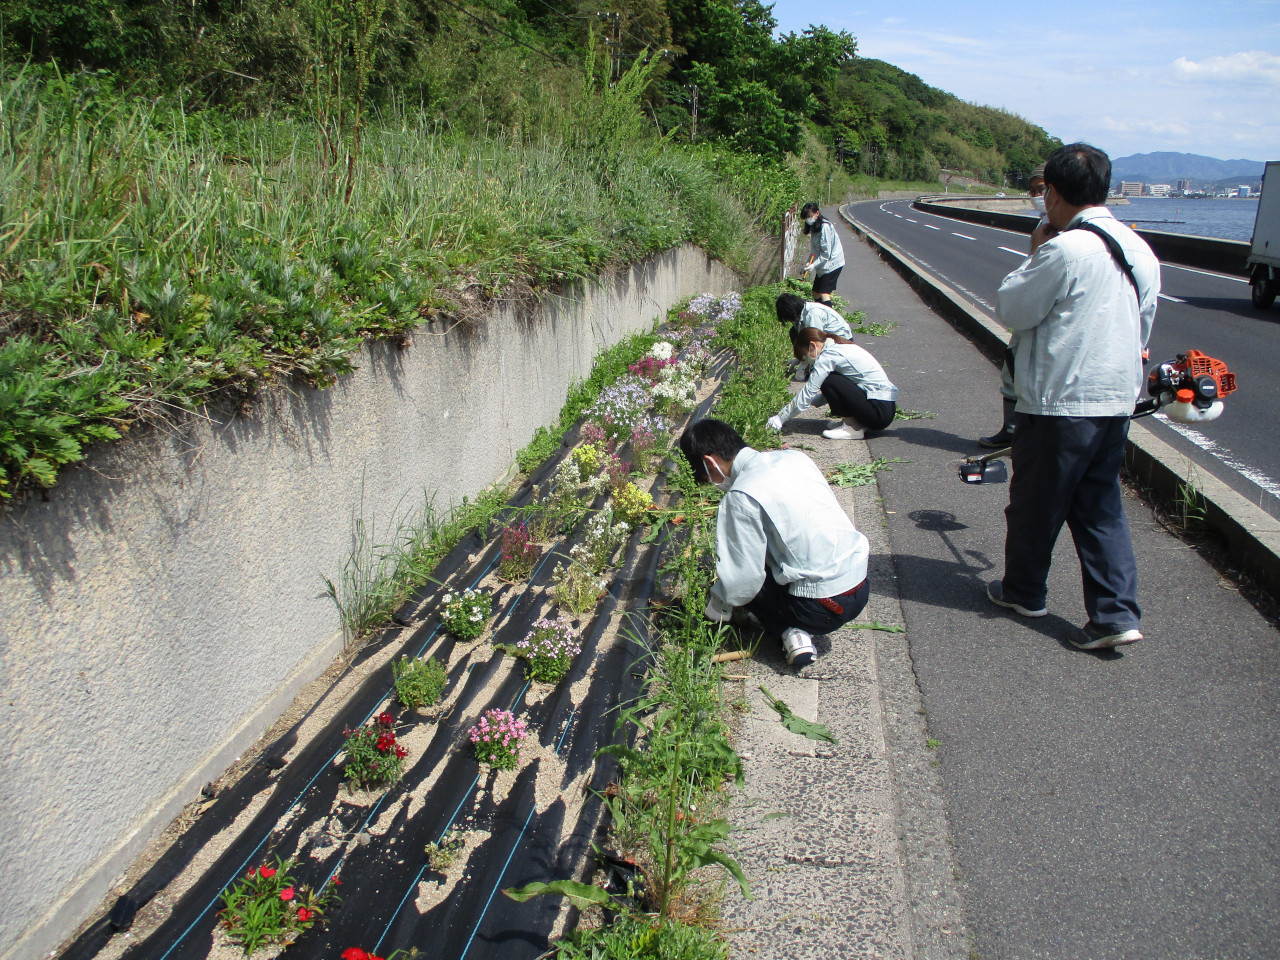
633,504
577,588
267,906
601,537
419,682
374,758
519,553
497,737
589,457
550,648
465,614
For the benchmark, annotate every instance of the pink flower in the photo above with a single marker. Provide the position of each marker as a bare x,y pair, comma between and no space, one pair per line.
286,894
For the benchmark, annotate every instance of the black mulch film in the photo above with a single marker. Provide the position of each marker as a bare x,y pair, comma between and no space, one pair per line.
381,872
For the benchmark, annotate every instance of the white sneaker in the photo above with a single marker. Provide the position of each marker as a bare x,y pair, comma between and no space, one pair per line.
798,646
849,430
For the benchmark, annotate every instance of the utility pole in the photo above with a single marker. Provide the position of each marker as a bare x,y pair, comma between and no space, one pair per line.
693,113
614,43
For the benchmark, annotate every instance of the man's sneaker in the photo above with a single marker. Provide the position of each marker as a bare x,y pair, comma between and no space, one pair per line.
1002,439
798,646
849,430
1093,637
995,593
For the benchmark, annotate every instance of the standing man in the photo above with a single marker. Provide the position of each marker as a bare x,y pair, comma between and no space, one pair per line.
785,548
1082,306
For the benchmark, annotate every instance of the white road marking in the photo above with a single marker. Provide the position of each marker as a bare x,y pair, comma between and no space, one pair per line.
1224,456
1207,273
1016,253
1165,296
909,220
932,227
962,236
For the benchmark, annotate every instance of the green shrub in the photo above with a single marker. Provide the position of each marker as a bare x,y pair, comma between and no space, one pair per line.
419,682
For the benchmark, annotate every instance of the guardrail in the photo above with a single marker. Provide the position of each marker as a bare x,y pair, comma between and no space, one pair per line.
1206,253
1252,535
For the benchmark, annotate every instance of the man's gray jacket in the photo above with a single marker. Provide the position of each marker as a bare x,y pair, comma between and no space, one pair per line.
1082,328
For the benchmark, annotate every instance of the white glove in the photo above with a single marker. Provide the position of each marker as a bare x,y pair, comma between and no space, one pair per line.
716,611
774,422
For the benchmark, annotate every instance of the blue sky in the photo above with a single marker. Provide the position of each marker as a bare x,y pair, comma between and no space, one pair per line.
1125,76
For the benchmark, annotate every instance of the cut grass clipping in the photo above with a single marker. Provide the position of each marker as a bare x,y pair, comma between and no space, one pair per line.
860,475
806,728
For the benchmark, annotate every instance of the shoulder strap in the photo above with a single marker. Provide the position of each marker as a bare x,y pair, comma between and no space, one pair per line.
1117,252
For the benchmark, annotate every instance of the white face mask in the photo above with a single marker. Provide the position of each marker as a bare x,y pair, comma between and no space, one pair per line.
1038,203
811,220
724,483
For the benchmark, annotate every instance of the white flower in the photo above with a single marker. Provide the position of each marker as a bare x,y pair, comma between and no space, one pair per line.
662,350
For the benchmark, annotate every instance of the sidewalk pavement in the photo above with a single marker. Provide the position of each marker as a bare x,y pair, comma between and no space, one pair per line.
1059,804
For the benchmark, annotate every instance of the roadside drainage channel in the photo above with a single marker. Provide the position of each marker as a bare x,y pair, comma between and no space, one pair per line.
1252,534
379,848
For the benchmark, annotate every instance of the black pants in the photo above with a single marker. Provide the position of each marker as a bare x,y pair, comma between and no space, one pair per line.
847,399
776,609
1067,469
827,282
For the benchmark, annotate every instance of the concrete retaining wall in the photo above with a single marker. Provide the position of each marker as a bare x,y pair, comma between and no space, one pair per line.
167,601
1204,253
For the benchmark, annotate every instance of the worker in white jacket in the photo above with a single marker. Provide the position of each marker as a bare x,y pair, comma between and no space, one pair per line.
785,548
826,255
847,377
799,314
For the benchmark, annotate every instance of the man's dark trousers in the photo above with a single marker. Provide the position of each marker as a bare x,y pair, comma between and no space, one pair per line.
1067,469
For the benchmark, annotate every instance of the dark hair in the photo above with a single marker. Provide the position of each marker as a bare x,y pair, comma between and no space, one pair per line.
709,437
800,340
789,307
1080,173
807,209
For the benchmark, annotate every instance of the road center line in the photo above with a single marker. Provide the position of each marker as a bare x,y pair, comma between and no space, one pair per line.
931,226
962,236
909,220
1016,253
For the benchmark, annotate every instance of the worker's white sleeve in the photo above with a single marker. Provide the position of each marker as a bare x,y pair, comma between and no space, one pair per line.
1028,293
740,550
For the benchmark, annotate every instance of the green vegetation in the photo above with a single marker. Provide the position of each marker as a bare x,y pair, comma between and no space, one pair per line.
419,682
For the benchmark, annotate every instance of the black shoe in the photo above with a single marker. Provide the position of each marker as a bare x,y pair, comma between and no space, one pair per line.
1002,439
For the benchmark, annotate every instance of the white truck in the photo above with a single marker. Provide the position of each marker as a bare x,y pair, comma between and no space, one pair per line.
1264,253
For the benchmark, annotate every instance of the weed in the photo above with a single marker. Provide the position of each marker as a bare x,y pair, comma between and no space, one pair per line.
902,414
419,682
859,475
932,744
577,588
441,856
1189,506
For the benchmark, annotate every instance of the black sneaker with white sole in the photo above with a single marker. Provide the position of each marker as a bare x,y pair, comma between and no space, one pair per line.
1093,637
995,593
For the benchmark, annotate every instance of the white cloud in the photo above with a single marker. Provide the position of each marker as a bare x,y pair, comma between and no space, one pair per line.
1248,65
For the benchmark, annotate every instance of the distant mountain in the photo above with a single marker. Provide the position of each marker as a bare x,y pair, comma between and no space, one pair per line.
1171,167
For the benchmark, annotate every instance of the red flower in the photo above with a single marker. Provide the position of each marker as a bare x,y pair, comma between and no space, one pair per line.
386,719
337,882
252,871
401,752
354,953
267,872
286,893
386,742
304,914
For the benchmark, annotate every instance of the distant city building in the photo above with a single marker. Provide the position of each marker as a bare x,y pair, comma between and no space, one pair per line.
1130,188
1161,189
1184,186
1245,190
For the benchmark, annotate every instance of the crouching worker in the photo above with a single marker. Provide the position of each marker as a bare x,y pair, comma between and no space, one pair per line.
847,377
785,549
798,314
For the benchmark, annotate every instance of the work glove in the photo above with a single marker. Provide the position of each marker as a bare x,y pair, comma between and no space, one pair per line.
717,611
774,422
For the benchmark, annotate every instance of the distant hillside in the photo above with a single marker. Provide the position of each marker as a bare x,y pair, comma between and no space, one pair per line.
902,128
1170,167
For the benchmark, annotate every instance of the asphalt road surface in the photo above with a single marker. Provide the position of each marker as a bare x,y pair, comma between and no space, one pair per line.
1198,310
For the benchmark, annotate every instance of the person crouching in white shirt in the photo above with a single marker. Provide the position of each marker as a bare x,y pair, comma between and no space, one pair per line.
849,378
785,548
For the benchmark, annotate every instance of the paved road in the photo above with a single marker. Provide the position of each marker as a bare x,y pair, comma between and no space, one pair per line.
1207,311
1120,806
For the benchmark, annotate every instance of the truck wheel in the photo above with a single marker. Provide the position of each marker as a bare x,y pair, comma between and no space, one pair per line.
1264,293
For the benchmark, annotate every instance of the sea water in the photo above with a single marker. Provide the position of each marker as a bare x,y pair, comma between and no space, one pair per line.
1225,219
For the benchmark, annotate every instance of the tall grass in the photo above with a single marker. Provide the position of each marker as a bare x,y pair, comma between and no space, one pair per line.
150,257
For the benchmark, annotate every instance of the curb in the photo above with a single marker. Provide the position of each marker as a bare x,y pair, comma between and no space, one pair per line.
1252,535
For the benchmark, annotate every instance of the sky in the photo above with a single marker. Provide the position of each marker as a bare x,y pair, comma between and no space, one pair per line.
1128,77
